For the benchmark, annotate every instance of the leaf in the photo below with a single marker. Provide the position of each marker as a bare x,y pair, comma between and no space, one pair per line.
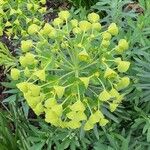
10,99
110,115
38,146
148,135
96,132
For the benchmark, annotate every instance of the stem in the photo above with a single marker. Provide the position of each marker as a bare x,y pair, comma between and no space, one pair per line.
101,83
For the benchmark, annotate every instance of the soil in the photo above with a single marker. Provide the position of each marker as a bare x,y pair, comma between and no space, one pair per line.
55,5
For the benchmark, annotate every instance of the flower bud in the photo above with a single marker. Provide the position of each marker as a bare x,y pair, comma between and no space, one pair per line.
93,17
49,103
36,7
97,26
23,61
76,30
39,109
27,72
114,93
42,10
104,96
95,117
51,117
105,43
15,74
16,22
74,22
74,124
30,58
26,45
103,122
84,25
33,29
57,22
19,11
35,89
64,15
85,81
57,109
123,66
113,106
77,106
40,74
123,44
123,83
12,12
47,29
106,36
83,55
29,6
59,91
88,126
113,29
43,2
109,73
8,24
23,87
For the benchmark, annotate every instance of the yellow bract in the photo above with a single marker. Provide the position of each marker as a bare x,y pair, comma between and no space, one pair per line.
77,106
64,15
93,17
26,45
85,25
103,122
74,22
39,109
104,96
33,29
123,66
40,74
57,22
123,44
113,106
97,26
113,29
105,43
22,86
59,91
123,83
83,55
85,80
106,36
15,74
109,73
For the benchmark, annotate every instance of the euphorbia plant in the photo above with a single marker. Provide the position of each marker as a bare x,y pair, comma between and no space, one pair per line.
70,69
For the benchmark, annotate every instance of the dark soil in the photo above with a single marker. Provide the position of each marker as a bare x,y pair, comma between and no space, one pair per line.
54,6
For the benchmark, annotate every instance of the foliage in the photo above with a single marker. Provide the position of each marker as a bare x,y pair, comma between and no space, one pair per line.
6,57
83,3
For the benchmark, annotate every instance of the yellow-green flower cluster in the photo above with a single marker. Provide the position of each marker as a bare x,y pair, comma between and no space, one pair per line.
16,16
70,70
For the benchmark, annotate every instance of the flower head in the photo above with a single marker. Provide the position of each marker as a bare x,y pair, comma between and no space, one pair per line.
113,29
93,17
15,74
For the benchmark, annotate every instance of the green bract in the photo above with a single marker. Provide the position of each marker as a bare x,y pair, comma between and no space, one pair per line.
71,70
